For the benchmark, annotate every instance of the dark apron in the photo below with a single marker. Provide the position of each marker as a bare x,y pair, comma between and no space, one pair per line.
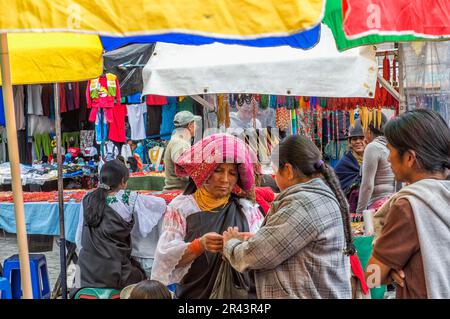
199,281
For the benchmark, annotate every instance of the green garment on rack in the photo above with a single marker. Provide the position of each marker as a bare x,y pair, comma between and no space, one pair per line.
264,102
42,141
66,138
186,105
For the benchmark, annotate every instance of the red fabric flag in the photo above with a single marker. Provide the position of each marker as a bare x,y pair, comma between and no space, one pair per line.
422,18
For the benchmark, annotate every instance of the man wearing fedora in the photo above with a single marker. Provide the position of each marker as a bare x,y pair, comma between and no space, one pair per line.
348,169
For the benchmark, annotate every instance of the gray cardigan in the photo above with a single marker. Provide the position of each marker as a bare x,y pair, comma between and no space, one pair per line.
377,178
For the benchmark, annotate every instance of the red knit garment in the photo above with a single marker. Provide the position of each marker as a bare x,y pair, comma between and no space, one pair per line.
264,197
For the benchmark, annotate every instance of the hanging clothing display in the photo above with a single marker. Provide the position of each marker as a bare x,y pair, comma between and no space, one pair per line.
126,151
168,114
186,104
223,111
42,144
154,117
67,136
102,93
156,100
39,124
72,91
34,104
3,141
135,98
86,140
48,101
116,131
101,127
19,106
136,114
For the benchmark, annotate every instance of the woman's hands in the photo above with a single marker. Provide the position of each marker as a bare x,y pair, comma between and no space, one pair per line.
212,242
233,232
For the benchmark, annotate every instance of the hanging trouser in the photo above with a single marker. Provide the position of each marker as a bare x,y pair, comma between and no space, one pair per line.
42,141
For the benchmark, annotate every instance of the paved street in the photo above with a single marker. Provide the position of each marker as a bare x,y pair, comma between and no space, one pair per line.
8,247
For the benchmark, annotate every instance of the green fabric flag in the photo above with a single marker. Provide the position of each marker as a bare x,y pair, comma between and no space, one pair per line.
333,19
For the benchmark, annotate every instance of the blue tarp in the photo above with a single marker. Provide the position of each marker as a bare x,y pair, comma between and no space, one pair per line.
42,218
303,40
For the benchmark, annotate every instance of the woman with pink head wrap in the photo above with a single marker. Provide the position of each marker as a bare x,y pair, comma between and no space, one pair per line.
189,250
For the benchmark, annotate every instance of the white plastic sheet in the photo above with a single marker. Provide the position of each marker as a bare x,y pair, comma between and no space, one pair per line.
178,70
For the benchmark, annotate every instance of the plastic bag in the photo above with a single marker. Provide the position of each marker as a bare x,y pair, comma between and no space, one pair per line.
225,286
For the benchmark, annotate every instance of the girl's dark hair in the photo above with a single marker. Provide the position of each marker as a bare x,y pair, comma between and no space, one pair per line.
112,174
426,133
150,289
305,158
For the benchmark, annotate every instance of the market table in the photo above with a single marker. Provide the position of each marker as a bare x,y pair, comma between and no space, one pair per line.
148,182
42,213
42,218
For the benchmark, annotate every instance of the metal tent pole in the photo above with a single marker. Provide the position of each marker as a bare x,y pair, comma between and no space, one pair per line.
62,236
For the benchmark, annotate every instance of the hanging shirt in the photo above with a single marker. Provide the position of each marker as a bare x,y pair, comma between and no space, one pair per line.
156,100
62,98
136,119
19,106
126,151
168,113
102,92
117,126
72,96
134,99
34,105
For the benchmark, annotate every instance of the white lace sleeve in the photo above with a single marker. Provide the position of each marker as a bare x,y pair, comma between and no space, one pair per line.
171,244
148,211
79,230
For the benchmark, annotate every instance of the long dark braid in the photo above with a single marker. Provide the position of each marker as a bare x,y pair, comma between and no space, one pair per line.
306,158
333,183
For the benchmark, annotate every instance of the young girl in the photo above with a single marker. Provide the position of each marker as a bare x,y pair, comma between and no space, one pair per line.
149,289
301,250
115,224
414,246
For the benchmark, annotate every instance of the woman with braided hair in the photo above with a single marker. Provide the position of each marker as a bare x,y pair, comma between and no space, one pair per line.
302,248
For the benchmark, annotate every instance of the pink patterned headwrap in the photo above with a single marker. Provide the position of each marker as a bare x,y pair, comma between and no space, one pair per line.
200,161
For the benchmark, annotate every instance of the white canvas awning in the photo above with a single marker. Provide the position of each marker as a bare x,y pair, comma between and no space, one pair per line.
178,70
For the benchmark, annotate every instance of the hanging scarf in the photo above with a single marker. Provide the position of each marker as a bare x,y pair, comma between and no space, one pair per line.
208,203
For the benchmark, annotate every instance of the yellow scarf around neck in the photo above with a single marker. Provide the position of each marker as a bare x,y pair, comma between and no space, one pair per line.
359,158
206,202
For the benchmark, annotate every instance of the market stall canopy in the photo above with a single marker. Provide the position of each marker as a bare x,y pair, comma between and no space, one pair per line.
333,19
253,22
176,70
424,18
54,57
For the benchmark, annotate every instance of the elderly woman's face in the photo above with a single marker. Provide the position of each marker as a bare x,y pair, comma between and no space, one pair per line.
222,180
